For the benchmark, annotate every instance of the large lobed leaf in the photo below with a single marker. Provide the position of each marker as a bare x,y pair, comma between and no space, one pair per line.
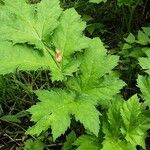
126,126
144,81
68,144
57,107
96,78
144,85
25,23
144,62
21,57
134,124
97,1
68,38
137,46
128,2
33,145
43,26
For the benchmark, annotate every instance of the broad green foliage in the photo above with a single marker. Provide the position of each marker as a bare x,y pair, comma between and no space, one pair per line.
130,39
112,128
33,145
92,80
70,139
30,24
68,39
117,144
144,85
43,36
127,125
92,84
88,142
124,127
58,106
134,123
55,34
136,46
21,57
63,37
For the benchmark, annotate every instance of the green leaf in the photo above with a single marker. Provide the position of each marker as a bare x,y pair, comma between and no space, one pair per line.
106,85
88,142
117,145
68,145
68,38
144,85
130,39
143,38
133,47
134,123
33,145
111,127
127,2
31,24
42,26
126,125
21,57
68,35
57,107
112,124
86,113
97,1
35,24
95,64
134,52
145,62
146,30
125,47
10,118
48,12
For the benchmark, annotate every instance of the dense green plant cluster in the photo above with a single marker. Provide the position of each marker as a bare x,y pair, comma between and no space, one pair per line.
69,84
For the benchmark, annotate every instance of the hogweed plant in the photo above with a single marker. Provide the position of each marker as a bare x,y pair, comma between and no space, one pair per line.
46,37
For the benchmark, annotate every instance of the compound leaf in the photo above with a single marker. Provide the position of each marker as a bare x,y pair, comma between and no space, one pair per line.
130,39
95,64
143,38
125,125
117,144
127,2
57,107
68,38
146,30
97,1
21,57
88,142
34,145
